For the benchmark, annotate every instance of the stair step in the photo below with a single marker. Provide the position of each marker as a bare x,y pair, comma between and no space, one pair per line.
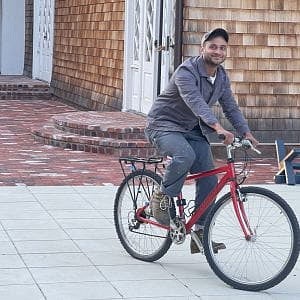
50,135
24,95
21,87
117,125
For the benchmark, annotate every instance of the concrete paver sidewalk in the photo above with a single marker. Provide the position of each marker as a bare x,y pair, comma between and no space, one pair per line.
59,242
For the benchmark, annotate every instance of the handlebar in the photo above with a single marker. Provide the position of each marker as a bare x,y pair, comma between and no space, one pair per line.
239,142
244,143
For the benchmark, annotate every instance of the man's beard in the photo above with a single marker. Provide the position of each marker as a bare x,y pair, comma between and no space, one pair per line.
211,62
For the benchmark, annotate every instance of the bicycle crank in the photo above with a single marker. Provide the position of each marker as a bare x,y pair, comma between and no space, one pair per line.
177,231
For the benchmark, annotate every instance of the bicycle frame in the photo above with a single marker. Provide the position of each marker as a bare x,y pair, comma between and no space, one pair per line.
229,177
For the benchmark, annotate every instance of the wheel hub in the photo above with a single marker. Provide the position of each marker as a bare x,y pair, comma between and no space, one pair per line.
133,223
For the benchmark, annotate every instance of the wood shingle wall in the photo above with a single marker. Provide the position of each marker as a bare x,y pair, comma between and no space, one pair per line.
88,53
263,58
28,38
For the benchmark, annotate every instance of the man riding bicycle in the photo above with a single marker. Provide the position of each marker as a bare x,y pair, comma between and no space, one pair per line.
181,118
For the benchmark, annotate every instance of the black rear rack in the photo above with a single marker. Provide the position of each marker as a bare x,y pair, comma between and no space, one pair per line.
140,163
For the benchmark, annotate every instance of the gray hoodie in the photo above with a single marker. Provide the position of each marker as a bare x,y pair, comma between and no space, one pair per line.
188,98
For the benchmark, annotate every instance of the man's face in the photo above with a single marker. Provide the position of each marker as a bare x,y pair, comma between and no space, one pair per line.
214,51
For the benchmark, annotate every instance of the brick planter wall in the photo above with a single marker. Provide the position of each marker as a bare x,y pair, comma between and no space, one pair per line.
88,53
263,59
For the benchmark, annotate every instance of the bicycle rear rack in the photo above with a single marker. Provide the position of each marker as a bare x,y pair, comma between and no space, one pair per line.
141,163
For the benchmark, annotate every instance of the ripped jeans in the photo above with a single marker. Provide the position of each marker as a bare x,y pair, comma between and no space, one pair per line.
190,153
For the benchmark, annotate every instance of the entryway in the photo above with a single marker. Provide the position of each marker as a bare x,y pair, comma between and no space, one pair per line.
149,40
43,39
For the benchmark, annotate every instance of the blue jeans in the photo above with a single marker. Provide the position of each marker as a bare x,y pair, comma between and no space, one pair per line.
190,152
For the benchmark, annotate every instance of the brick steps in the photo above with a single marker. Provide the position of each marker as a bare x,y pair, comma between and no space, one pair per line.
30,95
117,125
114,133
22,88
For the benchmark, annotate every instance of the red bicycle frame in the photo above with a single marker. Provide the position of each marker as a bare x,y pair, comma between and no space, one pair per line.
228,177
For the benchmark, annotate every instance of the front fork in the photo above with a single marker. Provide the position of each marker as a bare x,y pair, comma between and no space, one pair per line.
238,200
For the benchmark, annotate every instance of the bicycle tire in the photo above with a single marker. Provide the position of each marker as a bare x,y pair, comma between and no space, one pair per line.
263,262
147,242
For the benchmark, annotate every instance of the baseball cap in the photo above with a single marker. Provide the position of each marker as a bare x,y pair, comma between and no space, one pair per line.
214,33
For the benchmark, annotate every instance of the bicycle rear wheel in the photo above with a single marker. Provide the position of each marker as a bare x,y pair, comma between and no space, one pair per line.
143,241
269,256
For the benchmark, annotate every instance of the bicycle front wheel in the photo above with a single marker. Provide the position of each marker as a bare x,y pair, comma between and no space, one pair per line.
269,256
143,241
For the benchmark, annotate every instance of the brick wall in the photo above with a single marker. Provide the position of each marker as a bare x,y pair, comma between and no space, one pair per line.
28,38
263,59
88,53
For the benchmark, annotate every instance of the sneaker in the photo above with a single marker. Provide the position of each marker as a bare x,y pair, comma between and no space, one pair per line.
216,246
159,204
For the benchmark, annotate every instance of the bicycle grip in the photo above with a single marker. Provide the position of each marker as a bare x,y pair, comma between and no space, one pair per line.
221,136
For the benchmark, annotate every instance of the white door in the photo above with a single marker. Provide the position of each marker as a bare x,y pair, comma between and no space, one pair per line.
148,37
149,54
168,40
140,78
43,39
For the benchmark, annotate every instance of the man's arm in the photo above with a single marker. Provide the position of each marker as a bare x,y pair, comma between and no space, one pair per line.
234,115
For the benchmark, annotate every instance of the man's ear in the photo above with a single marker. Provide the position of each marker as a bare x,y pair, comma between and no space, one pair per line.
201,49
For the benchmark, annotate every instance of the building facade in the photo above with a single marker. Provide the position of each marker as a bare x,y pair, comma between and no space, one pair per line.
118,54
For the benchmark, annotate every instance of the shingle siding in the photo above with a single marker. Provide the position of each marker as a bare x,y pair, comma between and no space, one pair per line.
263,59
88,53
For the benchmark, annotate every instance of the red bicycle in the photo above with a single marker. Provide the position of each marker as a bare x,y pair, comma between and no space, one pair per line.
259,228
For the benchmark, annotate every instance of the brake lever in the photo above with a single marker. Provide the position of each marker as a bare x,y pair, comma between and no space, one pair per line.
254,149
249,144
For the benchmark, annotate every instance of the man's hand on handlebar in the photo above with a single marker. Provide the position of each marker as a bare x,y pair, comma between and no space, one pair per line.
228,137
225,135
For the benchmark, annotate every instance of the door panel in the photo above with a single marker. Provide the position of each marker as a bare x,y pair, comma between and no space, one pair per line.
168,40
149,55
142,31
136,92
43,37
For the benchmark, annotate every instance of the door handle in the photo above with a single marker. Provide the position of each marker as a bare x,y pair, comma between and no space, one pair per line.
158,47
170,43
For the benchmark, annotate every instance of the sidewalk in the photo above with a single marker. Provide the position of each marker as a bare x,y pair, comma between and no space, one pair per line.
59,242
